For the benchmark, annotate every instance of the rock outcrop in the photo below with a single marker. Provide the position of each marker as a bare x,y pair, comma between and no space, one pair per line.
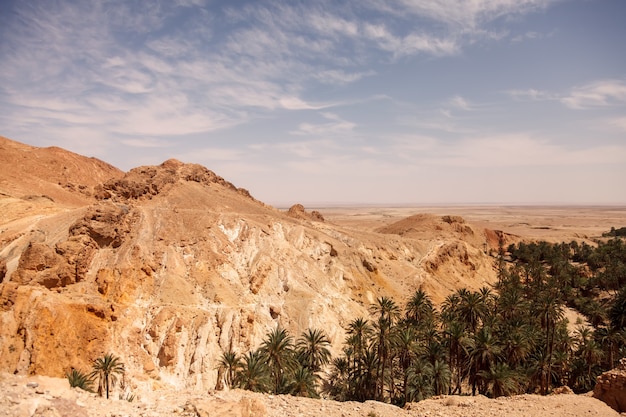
611,387
168,266
297,211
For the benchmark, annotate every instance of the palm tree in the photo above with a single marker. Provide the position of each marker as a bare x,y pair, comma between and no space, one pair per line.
450,308
312,349
484,353
617,314
359,332
78,379
457,342
420,380
279,352
441,377
363,382
254,374
517,343
337,384
419,308
501,378
472,308
106,370
387,311
550,310
406,350
610,339
588,351
229,363
304,383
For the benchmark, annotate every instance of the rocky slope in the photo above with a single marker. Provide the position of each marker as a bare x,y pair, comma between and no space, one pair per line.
168,265
45,396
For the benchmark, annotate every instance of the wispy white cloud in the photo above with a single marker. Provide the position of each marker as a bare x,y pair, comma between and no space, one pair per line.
460,103
339,76
598,93
506,150
470,13
107,64
336,126
147,142
532,95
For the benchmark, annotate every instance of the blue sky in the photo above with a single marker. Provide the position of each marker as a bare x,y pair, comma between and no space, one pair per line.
332,102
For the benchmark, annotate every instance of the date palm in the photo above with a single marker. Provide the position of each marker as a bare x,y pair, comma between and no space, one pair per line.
501,379
304,383
456,340
484,352
253,375
550,309
388,312
441,377
420,380
279,351
229,363
406,350
312,349
472,308
419,309
106,369
359,331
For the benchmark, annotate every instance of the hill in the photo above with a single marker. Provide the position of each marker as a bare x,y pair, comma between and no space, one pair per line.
168,266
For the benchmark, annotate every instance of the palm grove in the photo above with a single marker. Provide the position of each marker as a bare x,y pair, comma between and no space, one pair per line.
509,339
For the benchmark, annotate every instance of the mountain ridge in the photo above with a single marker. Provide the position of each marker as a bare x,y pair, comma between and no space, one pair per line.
169,265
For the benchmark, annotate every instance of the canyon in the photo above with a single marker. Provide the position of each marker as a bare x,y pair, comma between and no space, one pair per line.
168,266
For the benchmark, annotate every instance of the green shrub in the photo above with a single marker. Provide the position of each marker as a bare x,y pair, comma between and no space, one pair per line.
79,380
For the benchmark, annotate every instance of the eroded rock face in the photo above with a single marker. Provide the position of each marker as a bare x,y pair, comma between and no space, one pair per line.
174,265
611,387
67,262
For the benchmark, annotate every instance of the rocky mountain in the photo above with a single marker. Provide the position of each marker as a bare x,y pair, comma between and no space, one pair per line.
169,265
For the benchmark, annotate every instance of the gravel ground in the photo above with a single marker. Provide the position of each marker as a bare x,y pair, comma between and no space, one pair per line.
52,397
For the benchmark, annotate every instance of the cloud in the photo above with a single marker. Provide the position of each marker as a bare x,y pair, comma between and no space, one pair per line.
596,94
340,76
506,151
470,13
532,95
600,93
336,126
146,142
120,67
460,103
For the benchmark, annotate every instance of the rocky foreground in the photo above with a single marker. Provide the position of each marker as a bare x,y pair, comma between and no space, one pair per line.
51,397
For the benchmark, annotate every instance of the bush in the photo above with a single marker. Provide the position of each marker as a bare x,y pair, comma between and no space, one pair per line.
78,379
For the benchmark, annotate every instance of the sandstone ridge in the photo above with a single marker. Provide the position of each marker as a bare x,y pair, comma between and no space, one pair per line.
167,266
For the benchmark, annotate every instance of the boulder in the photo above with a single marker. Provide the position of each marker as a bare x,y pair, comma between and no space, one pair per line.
611,387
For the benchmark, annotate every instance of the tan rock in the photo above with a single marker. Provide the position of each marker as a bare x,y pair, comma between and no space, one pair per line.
611,387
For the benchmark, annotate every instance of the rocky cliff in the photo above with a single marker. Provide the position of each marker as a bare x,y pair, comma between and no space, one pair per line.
169,265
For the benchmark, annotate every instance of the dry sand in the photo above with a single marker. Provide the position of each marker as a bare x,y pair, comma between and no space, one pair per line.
551,223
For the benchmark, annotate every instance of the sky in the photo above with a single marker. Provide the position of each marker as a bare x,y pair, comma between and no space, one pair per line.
338,102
